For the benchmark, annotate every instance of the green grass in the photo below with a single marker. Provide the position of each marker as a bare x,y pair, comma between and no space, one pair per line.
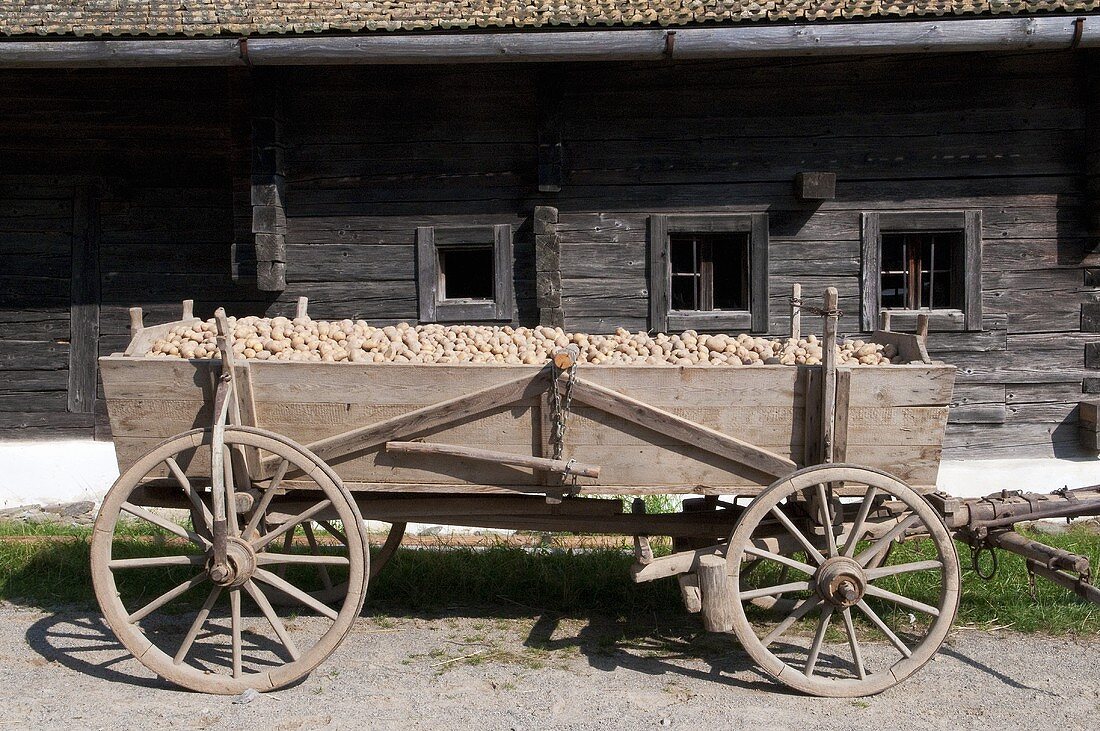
53,572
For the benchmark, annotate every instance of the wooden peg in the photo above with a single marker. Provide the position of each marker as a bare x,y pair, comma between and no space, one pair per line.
922,326
884,320
136,321
225,338
188,310
796,311
303,308
565,358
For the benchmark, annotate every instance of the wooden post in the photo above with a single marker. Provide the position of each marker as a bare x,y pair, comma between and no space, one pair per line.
716,594
796,311
188,310
828,374
884,320
922,327
136,323
302,309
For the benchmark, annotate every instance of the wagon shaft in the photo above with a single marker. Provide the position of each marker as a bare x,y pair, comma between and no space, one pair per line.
988,523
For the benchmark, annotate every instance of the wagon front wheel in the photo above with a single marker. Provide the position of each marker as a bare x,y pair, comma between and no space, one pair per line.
218,631
855,617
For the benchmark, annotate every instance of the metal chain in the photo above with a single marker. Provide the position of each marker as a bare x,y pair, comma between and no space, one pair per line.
810,309
559,411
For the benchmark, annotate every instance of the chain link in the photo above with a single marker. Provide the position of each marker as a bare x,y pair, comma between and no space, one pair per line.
811,310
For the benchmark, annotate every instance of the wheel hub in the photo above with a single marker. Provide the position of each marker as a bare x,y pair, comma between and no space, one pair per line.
840,581
240,564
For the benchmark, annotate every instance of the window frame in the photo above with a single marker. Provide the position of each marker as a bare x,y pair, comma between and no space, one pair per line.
969,223
662,317
432,306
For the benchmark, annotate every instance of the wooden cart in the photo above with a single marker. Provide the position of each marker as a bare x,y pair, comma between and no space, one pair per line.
280,462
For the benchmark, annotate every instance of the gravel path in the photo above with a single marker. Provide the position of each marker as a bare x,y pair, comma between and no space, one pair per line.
64,670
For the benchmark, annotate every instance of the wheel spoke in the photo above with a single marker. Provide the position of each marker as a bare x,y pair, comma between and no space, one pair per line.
866,556
857,656
333,530
819,639
796,614
904,601
196,626
154,561
272,618
877,621
827,519
166,597
295,593
860,522
786,561
288,543
267,559
235,611
260,509
774,590
191,492
166,524
301,517
901,568
322,571
794,531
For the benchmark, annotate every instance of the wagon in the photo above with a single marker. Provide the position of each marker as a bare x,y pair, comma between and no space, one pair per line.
810,526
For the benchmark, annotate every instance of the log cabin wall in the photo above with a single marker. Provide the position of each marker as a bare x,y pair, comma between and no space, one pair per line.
371,154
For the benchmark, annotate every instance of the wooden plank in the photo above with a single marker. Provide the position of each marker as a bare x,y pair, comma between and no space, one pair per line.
758,263
427,267
972,269
841,414
666,423
811,452
428,418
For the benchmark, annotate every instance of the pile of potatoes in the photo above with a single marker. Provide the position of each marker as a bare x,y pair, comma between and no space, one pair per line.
303,339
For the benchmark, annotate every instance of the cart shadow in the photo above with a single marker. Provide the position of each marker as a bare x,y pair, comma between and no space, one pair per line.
83,642
610,644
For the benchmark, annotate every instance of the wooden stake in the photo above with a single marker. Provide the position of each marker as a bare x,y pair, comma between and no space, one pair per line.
689,592
136,324
828,374
884,320
922,327
716,594
188,309
302,309
796,311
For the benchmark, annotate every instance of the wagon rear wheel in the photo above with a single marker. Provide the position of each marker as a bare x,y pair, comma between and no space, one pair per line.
852,622
152,582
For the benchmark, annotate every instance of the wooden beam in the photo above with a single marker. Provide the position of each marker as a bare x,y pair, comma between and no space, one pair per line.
664,422
425,419
84,304
560,466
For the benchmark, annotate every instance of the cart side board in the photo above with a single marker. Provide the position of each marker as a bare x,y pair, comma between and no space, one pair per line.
896,419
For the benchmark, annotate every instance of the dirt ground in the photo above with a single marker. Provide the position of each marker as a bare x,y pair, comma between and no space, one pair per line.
511,669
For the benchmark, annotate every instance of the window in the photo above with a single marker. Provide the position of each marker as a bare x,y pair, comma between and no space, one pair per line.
464,273
709,272
923,262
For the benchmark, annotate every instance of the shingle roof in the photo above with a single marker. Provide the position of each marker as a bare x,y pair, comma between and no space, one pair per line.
268,17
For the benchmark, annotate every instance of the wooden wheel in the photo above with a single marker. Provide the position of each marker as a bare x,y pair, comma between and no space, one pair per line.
186,622
851,622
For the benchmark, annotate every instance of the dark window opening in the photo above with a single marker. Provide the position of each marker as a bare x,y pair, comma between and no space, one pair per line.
466,273
922,270
709,271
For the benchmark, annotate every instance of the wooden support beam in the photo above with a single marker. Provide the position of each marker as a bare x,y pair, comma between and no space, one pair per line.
561,466
664,422
425,419
548,267
716,593
828,373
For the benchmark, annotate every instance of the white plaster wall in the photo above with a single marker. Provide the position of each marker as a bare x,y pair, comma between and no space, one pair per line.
66,471
55,471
